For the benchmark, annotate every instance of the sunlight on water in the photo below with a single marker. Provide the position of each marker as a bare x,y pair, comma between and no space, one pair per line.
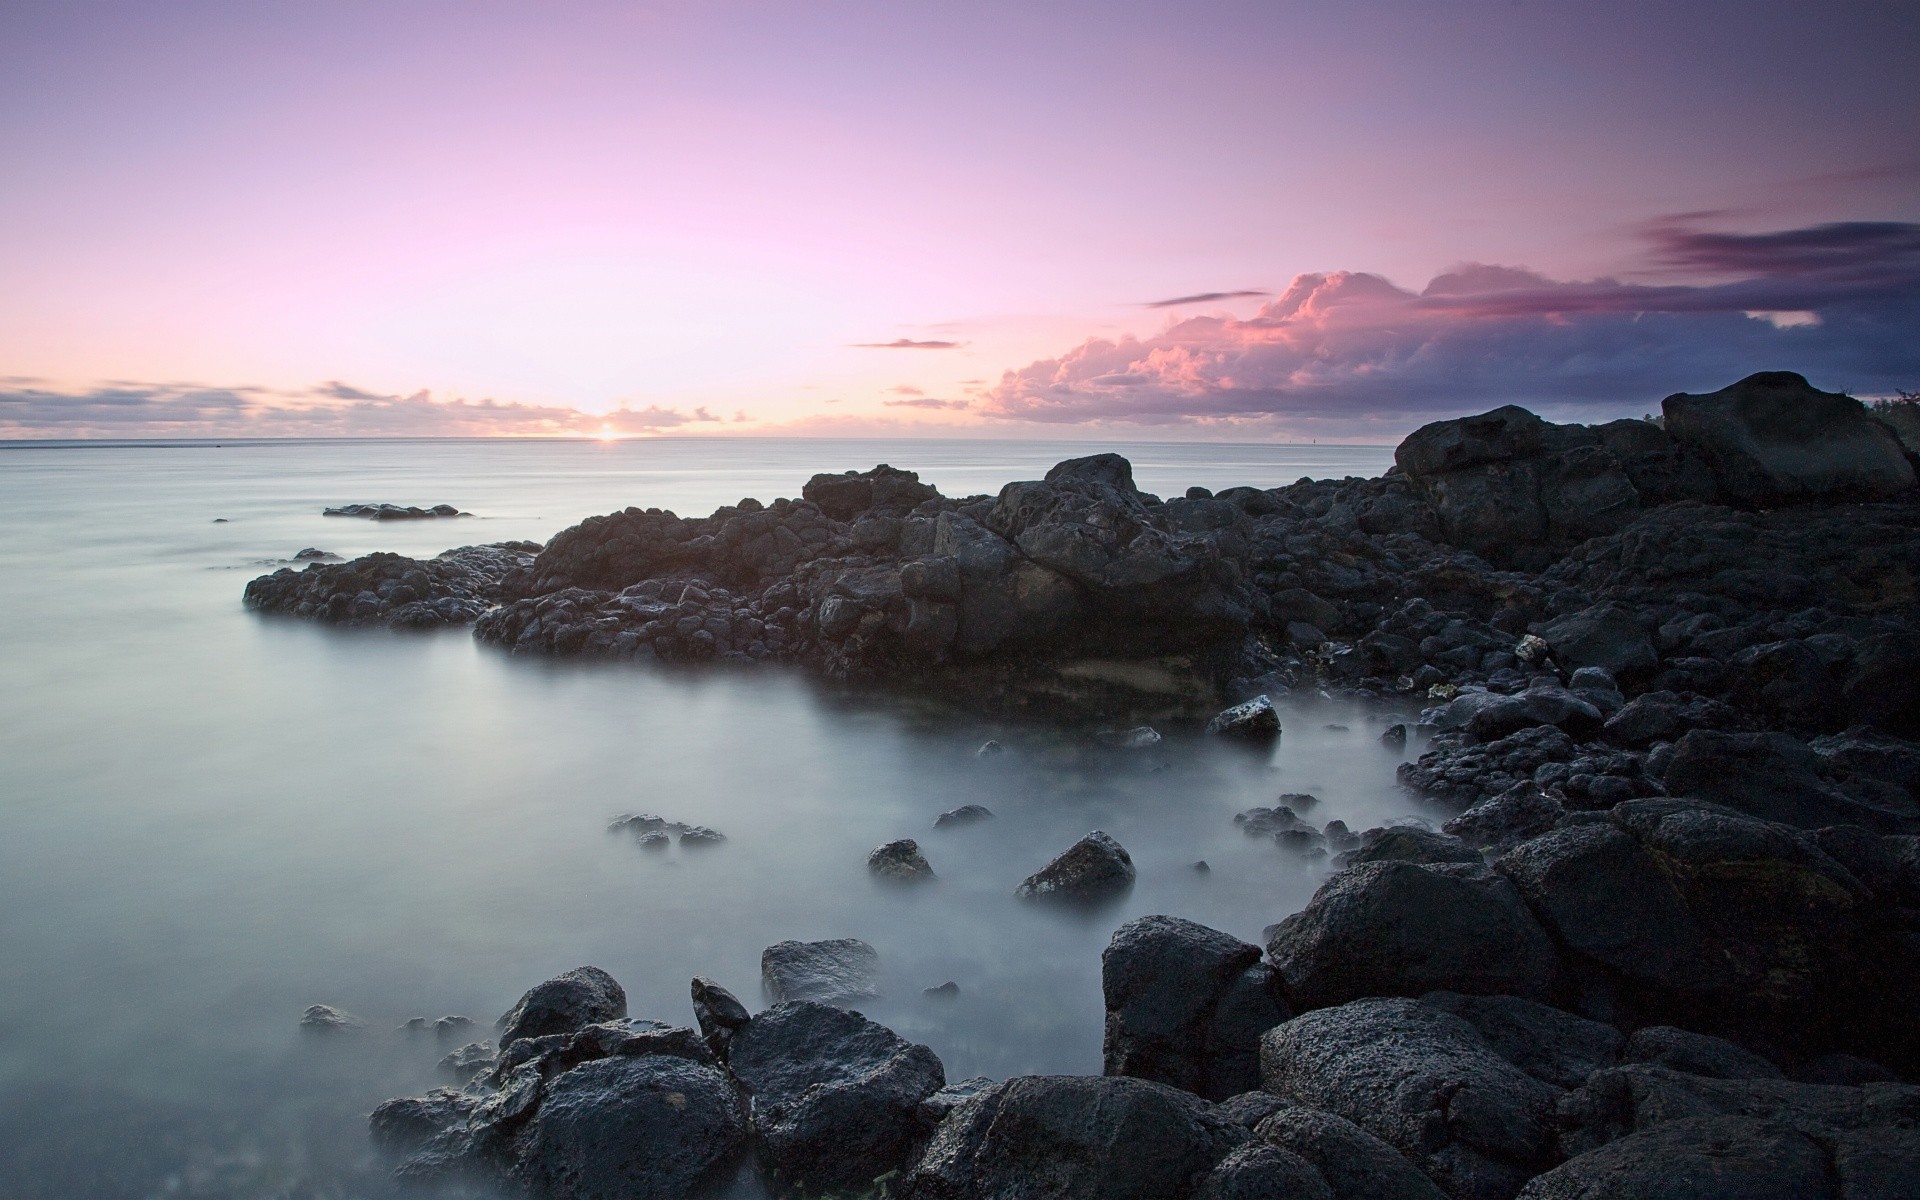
209,821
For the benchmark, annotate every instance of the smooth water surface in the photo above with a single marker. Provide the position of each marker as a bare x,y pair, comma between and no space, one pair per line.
211,820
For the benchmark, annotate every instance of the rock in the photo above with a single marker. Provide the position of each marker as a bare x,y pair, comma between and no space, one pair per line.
1696,1054
1555,1047
1609,636
469,1060
1701,1158
325,1018
1408,843
966,814
699,836
1665,717
654,839
900,862
583,996
1094,869
1266,822
1503,822
1355,1164
719,1014
934,1108
1255,720
1629,1099
313,554
945,991
1404,929
1773,437
400,1127
1140,737
452,1026
1424,1081
453,588
836,970
1263,1172
1395,737
1186,1006
1070,1137
621,1127
394,512
1860,753
1251,1107
1490,716
1844,1070
1775,778
989,749
836,1096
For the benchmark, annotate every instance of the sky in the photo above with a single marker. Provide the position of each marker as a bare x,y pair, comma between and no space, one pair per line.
1274,220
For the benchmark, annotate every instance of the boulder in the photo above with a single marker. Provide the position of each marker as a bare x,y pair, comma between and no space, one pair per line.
966,814
583,996
1426,1082
1186,1006
1555,1047
719,1014
835,1096
1073,1137
1092,870
1610,636
1409,843
1504,821
402,1126
1701,1158
1263,1172
1694,1053
325,1018
900,862
834,970
1773,437
1355,1164
621,1127
1255,720
1776,778
1403,929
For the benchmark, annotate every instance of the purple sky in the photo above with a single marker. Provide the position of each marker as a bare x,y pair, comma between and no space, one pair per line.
1179,220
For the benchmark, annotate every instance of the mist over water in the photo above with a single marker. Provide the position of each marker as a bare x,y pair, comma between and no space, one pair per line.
211,820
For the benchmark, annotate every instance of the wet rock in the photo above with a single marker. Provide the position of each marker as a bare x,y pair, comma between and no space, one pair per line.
1186,1006
1408,843
470,1060
1395,737
394,512
1555,1047
1094,869
1702,1158
621,1127
1516,815
966,814
1262,1172
946,991
1610,636
1355,1164
1464,774
900,862
454,588
314,554
699,836
1424,1081
836,970
452,1026
1773,437
1776,778
583,996
1139,737
836,1096
404,1125
1490,716
1696,1054
934,1108
1403,929
1255,720
719,1014
1265,822
1071,1137
325,1018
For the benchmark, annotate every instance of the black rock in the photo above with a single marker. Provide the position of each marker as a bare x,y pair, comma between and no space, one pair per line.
966,814
1092,870
1773,437
1355,1164
1260,1172
900,862
1256,720
404,1125
1699,1158
836,970
1409,843
583,996
1555,1047
719,1014
325,1018
1696,1054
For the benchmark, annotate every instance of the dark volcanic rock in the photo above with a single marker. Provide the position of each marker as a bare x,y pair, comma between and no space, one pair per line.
719,1014
1355,1164
900,862
1555,1047
1424,1081
1263,1172
1186,1006
1776,778
622,1127
394,512
404,1125
835,1096
1411,844
1254,721
1702,1158
1694,1053
1092,870
835,970
392,589
1403,929
966,814
583,996
1773,437
1069,1137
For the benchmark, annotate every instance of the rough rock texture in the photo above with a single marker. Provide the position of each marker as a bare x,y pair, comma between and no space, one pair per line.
1773,437
719,1014
581,997
835,1096
1186,1006
835,970
1702,1158
1092,870
1555,1047
1403,929
1264,1172
1355,1164
391,589
1069,1137
900,862
1424,1081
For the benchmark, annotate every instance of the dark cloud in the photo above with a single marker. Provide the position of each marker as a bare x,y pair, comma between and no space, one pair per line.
906,344
1353,352
130,409
1203,298
925,402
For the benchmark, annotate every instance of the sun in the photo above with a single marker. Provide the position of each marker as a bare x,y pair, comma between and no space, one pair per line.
607,434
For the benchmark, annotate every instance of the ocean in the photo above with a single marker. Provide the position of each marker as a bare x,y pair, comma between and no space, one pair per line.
211,820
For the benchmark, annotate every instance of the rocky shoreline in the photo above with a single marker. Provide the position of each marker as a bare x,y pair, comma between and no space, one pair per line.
1666,945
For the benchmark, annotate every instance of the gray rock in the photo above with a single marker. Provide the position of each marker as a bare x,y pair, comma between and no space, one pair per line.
1409,843
900,862
1094,869
1404,929
1254,720
622,1127
581,997
1774,777
1139,737
469,1060
325,1018
1263,1172
1555,1047
1774,437
1426,1082
1355,1164
1696,1054
1701,1158
934,1108
404,1125
835,1096
835,970
1499,824
966,814
1186,1006
719,1014
1073,1137
1609,636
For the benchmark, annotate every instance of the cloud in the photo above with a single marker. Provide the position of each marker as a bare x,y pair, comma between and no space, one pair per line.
130,409
906,344
906,389
1203,298
925,402
1351,352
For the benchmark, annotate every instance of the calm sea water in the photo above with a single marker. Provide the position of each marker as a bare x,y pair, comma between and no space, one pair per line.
209,820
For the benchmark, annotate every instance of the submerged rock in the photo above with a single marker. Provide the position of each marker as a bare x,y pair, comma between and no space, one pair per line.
1094,869
900,862
1256,720
835,970
325,1018
966,814
394,512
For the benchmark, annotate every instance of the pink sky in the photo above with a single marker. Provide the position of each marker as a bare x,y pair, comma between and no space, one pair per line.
223,219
